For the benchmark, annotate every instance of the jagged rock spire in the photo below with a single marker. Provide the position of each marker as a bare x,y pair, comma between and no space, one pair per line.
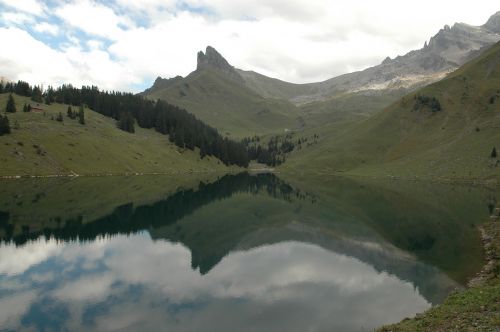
213,60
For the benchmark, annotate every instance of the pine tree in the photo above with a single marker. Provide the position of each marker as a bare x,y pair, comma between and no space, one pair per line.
70,113
4,125
494,153
25,108
11,105
36,95
126,122
49,95
59,117
81,115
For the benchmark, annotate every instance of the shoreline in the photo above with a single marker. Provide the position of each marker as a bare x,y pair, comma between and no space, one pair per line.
477,307
493,183
75,175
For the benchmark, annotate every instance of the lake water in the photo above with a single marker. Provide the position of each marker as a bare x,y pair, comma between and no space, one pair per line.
238,253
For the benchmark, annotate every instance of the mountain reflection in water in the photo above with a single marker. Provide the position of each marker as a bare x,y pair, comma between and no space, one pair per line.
246,252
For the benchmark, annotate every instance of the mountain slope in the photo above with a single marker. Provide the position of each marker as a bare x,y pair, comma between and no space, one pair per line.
216,94
356,95
450,48
43,146
243,103
411,139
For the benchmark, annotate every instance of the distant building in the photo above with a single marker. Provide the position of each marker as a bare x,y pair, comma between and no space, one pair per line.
37,109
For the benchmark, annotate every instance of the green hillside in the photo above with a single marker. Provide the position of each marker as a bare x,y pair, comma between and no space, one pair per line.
39,145
227,104
409,139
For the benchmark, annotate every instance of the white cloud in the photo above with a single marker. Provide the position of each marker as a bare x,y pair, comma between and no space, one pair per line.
16,18
95,44
55,67
89,288
93,18
45,27
17,260
130,43
293,284
28,6
13,307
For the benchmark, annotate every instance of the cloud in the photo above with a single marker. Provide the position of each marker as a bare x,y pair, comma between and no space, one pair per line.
45,27
125,44
14,260
91,288
33,61
33,7
93,18
13,307
144,284
16,18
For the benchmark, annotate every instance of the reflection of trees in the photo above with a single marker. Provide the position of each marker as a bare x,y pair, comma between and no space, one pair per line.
126,219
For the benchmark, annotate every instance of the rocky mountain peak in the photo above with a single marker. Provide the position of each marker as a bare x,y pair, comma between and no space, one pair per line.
387,61
213,60
493,23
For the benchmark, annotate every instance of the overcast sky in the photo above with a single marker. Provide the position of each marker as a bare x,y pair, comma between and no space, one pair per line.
126,44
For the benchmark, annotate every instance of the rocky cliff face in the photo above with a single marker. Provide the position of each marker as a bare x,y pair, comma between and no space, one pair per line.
493,23
212,60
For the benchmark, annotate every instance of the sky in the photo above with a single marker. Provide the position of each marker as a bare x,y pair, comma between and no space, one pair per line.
125,44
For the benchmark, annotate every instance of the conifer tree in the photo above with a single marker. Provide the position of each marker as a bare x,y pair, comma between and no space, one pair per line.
4,125
70,113
126,122
11,105
494,152
81,115
36,95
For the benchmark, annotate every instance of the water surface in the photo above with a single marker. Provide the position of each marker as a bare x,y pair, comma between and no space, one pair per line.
242,252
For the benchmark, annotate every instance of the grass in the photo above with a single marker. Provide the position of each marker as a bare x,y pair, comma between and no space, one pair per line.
229,106
453,144
39,145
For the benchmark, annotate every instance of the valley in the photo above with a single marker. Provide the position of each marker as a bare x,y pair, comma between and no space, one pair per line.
225,199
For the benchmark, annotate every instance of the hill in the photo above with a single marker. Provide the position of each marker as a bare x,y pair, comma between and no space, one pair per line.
216,94
39,145
414,139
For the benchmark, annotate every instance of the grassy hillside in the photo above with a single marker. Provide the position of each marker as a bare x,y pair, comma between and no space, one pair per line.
228,105
409,139
39,145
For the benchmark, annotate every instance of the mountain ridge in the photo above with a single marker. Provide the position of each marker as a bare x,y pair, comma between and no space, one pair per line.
348,97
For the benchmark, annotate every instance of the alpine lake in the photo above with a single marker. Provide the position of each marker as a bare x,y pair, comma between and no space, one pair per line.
242,252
